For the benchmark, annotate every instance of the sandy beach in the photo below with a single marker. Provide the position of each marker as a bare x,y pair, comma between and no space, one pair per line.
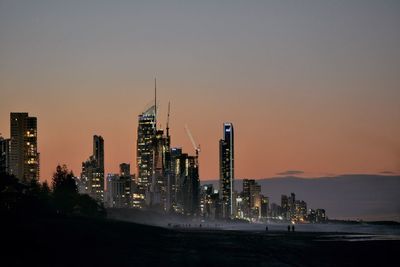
88,242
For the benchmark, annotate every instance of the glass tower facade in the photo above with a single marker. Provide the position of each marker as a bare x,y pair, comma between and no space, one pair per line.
226,170
145,147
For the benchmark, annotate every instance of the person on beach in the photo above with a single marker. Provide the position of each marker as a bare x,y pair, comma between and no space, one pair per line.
266,228
292,228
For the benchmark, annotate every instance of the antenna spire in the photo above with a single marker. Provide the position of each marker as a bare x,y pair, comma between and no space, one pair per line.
155,104
168,118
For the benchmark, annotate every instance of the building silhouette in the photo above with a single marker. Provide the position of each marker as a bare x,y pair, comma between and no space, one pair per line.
120,188
92,175
186,176
24,156
98,151
158,195
251,197
264,207
4,155
226,170
285,208
124,169
175,155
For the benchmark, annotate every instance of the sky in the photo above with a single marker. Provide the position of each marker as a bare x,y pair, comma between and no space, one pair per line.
311,87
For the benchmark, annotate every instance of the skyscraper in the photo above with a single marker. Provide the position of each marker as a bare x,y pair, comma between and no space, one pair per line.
252,198
246,195
92,176
174,179
145,147
255,201
158,194
24,158
187,183
98,151
285,206
226,170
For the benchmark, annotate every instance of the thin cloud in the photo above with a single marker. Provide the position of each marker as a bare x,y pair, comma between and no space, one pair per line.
387,172
291,172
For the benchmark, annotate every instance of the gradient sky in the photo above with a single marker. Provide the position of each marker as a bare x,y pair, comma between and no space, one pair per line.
310,86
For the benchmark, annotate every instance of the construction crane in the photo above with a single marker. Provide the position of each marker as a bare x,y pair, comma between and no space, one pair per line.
196,148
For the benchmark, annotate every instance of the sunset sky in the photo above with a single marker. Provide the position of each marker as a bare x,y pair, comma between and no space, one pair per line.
312,87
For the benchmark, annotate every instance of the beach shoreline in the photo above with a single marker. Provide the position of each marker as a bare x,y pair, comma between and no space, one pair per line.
102,242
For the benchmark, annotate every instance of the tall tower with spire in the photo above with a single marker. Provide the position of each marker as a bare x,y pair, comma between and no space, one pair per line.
226,170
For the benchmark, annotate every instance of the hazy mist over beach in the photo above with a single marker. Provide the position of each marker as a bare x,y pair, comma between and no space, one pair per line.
366,197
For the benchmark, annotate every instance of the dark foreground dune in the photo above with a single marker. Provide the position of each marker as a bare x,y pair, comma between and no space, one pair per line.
88,242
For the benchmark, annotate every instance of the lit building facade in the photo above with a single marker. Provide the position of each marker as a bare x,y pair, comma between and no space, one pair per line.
226,170
246,194
285,207
159,194
145,147
92,175
24,157
300,210
174,178
255,201
119,191
187,184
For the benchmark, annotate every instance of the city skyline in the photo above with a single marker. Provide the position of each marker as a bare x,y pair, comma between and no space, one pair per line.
308,96
200,133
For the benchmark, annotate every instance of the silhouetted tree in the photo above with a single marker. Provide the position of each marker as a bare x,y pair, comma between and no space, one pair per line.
10,193
87,206
65,190
35,199
46,188
64,181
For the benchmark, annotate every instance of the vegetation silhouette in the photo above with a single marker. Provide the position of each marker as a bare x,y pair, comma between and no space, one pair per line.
34,199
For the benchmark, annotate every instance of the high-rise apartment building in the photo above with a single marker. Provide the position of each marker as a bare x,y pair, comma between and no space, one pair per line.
226,170
92,176
285,206
251,198
24,157
246,195
175,154
187,184
158,194
119,191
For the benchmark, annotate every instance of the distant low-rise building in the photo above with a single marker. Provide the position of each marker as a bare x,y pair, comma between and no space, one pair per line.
264,207
320,216
300,210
